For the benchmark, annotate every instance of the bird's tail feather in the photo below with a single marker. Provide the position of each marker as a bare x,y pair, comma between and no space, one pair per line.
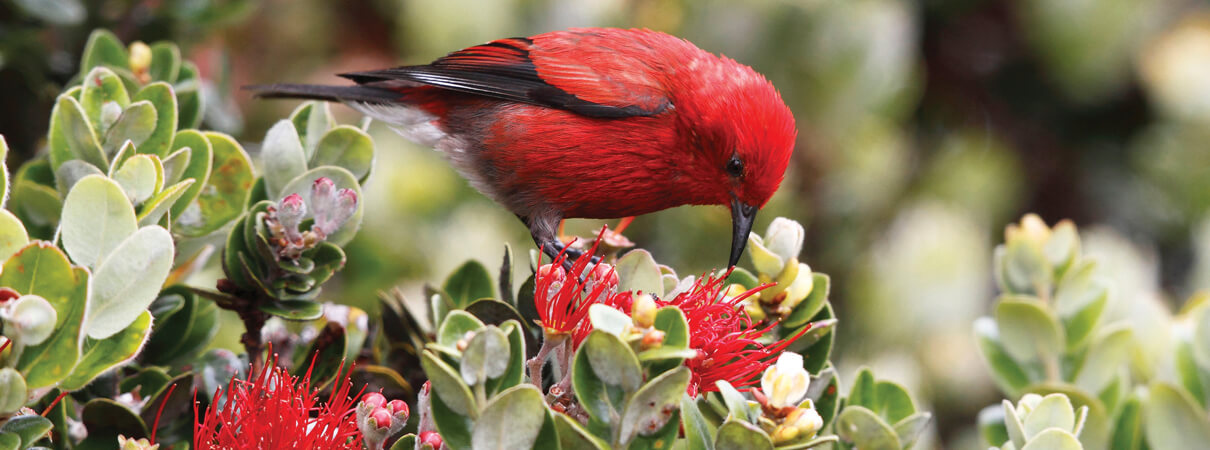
327,93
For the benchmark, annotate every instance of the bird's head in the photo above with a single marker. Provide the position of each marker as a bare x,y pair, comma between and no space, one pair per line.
742,133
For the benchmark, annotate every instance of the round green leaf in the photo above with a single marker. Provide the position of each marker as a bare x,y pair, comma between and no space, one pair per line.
41,269
294,309
698,433
1053,439
165,62
572,435
12,234
448,386
740,435
140,176
10,441
1128,427
1108,353
105,416
157,206
103,48
511,420
469,282
72,136
102,355
198,167
29,427
654,405
1025,269
486,356
71,172
282,157
1054,411
612,361
102,86
812,305
312,120
1007,373
609,319
348,147
638,271
455,327
13,393
301,185
1173,420
222,198
866,430
159,94
1028,330
97,217
136,124
188,96
118,298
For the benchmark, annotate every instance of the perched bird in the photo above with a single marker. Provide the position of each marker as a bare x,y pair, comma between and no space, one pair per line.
587,123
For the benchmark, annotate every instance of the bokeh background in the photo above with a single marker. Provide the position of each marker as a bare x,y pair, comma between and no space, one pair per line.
924,127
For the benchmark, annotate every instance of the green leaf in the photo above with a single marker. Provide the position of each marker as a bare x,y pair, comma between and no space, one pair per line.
72,136
326,355
1107,354
469,282
312,120
638,271
1029,332
135,125
653,405
612,361
816,344
1007,373
698,433
1053,439
97,218
348,147
740,435
743,278
866,430
455,428
103,48
71,172
1128,427
515,374
13,392
825,394
282,157
486,356
573,436
165,62
991,425
118,298
197,168
29,427
180,335
405,442
1171,419
41,269
812,305
1054,411
909,429
100,356
102,86
510,420
1024,269
610,320
448,386
222,198
155,208
175,164
301,185
188,97
159,94
455,327
294,309
602,400
140,176
10,441
106,419
737,405
12,234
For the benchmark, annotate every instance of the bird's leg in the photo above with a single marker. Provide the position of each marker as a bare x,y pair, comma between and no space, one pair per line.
543,228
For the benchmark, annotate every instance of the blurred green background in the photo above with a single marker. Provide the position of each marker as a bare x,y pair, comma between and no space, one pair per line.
924,127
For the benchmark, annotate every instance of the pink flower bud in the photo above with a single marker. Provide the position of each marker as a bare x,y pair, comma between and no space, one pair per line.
381,418
399,408
323,199
430,438
290,214
374,399
605,272
552,271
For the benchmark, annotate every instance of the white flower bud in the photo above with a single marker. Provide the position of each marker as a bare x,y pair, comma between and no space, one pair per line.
785,382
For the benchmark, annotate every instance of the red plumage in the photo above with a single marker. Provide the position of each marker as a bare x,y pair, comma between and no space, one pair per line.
592,122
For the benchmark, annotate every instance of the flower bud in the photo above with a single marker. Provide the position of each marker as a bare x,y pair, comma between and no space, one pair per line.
290,212
323,202
1031,228
651,339
784,238
31,318
110,112
800,423
373,399
381,418
643,310
785,382
399,409
125,443
140,57
431,439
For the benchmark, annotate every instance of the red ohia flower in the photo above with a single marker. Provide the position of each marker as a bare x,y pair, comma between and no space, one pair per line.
563,298
277,410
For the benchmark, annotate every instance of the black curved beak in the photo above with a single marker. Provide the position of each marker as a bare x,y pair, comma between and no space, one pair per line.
742,217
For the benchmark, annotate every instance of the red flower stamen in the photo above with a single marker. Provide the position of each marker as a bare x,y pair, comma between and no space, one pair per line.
562,299
277,410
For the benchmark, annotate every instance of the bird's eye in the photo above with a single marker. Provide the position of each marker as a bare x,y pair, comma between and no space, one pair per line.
735,167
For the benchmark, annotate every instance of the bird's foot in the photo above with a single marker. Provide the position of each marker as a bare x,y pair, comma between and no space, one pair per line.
555,247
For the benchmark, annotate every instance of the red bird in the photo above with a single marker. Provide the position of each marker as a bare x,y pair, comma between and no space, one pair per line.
590,123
